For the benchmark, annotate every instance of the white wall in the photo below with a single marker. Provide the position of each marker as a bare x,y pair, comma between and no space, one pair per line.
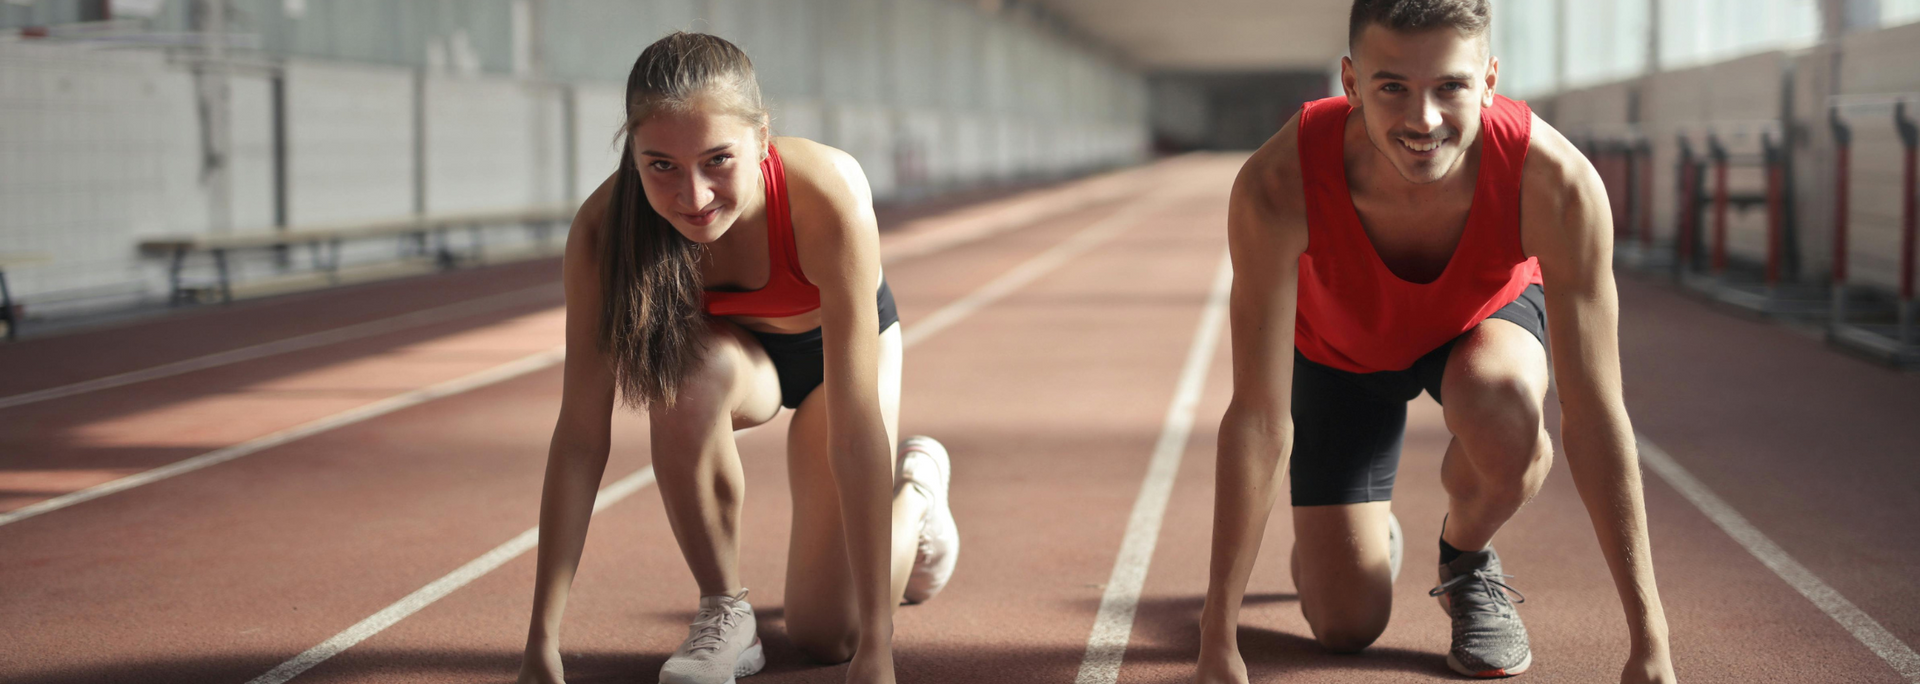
98,148
491,144
349,142
103,146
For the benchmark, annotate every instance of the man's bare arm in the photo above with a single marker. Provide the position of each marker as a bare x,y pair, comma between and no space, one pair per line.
1266,234
1566,223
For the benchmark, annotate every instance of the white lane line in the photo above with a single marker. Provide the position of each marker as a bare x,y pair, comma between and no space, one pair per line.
946,316
1862,626
1113,626
514,369
1030,270
952,313
356,331
440,588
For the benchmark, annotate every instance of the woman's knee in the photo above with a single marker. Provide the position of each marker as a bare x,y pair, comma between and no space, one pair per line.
710,387
827,643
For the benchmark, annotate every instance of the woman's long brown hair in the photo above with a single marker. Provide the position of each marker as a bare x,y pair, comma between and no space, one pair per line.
653,323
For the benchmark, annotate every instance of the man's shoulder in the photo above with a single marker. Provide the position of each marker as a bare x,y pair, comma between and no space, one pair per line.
1270,180
1268,204
1564,212
1556,171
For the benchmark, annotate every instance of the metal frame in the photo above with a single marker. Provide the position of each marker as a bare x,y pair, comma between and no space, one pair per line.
1900,344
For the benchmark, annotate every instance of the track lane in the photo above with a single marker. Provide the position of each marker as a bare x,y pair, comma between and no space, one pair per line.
275,535
73,443
40,363
69,446
182,585
1016,481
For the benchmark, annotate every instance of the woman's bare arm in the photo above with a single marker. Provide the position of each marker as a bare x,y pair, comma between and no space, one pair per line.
577,456
839,246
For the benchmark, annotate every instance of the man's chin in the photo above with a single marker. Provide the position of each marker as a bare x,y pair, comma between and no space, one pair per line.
1422,174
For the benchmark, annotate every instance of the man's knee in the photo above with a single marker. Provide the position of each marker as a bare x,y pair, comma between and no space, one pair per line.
1345,606
1347,631
1499,421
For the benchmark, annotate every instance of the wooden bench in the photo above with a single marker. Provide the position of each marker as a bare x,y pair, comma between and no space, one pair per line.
428,234
10,260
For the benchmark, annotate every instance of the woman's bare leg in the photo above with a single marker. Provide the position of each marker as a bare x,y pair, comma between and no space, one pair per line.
694,458
820,610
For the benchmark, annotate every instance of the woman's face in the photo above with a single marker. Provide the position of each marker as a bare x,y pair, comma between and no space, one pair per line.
700,168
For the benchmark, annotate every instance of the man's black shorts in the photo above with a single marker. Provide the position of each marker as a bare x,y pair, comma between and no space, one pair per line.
1347,427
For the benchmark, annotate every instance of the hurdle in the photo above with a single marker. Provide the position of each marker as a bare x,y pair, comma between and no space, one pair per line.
1760,285
1856,322
1623,156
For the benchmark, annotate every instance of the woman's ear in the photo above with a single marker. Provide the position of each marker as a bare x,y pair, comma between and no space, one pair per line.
766,140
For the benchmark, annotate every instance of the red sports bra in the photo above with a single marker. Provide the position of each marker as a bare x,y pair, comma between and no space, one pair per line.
787,292
1354,313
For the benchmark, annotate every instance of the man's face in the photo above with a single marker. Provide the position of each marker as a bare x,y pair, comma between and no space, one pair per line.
1420,95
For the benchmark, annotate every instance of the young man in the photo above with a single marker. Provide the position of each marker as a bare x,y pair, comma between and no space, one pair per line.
1393,241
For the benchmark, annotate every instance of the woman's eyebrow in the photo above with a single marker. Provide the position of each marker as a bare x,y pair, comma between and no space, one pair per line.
663,155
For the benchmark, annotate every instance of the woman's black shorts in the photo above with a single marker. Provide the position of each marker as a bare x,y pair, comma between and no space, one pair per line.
1347,427
798,358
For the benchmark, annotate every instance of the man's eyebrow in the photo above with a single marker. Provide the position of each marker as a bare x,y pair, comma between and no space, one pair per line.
663,155
1390,76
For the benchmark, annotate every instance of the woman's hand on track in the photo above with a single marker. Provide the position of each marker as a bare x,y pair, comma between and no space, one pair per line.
541,665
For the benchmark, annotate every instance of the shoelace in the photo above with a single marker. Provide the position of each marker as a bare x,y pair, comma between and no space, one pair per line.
1488,582
710,629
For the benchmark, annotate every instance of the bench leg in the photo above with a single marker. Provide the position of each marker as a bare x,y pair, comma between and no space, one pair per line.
443,251
6,309
174,294
226,286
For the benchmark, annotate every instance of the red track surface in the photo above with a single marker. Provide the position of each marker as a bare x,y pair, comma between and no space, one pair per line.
1051,400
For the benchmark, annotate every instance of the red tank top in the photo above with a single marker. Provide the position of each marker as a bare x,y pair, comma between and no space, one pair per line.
1354,313
787,292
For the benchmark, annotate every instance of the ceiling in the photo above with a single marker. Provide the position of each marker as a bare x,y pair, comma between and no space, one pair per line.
1214,35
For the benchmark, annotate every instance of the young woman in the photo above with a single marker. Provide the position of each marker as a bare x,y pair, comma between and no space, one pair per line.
717,276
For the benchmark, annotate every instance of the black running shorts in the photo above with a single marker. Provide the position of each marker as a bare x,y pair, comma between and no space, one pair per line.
1347,427
799,358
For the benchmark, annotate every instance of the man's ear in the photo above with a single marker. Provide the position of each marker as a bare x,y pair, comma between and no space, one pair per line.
1350,82
1493,79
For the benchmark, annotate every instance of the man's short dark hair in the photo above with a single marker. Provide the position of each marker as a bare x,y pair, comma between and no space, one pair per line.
1470,17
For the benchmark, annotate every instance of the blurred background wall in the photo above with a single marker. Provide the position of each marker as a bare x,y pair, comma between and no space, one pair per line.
132,118
126,119
1684,75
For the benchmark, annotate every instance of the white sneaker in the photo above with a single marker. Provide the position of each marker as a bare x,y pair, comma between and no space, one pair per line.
925,466
1396,546
722,644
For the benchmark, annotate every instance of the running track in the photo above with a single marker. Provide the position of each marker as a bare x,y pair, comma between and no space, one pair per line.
1061,343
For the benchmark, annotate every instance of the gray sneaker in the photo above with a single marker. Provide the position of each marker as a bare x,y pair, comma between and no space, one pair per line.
722,644
1488,639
